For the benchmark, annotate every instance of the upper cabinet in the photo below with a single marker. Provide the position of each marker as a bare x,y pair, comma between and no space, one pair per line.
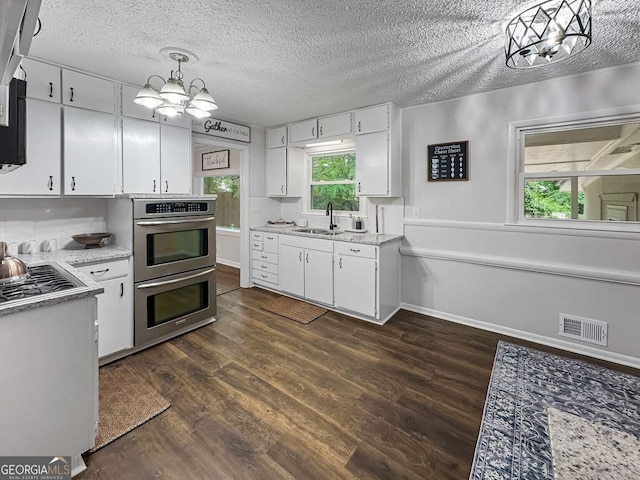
378,151
175,159
277,137
372,119
284,172
86,91
302,131
335,125
43,80
133,110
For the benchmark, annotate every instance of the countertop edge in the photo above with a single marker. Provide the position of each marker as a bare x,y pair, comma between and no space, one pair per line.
347,237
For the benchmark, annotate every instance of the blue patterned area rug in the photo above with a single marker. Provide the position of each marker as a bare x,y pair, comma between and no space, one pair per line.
526,387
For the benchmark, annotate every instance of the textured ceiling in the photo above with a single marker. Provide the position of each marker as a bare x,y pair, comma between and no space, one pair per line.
270,62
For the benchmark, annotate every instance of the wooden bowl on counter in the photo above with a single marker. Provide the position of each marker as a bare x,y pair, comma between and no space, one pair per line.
90,240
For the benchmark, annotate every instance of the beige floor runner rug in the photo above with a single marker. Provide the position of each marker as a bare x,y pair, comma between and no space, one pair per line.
293,309
126,401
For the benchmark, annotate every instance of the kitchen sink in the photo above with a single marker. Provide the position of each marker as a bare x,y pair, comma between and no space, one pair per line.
316,231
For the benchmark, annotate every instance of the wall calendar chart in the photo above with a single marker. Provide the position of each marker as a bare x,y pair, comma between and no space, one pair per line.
448,161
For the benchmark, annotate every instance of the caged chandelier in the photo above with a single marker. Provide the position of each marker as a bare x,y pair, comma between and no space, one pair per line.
547,33
172,99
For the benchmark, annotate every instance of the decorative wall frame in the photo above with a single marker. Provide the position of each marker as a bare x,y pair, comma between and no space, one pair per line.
215,160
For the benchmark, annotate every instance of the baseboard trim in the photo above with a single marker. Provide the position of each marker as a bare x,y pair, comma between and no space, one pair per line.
575,271
228,263
531,337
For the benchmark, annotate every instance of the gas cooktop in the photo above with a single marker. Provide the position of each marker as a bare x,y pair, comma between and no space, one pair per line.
44,279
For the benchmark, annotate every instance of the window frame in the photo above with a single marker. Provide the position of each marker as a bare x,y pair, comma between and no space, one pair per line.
202,191
309,154
517,133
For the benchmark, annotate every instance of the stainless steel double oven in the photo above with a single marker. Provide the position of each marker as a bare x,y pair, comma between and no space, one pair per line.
174,245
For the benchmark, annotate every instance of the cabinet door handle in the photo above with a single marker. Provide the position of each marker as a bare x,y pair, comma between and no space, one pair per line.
153,115
359,125
313,131
50,89
320,131
122,289
282,188
307,258
264,256
50,182
355,250
166,189
73,184
283,139
300,256
269,238
154,186
264,276
256,245
340,262
263,266
99,271
71,98
358,187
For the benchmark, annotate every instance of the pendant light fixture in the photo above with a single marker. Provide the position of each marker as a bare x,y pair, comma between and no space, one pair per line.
547,33
172,99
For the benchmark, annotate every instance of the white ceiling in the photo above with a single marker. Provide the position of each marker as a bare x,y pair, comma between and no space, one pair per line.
270,62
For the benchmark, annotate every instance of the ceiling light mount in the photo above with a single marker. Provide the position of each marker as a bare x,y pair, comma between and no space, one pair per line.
172,99
548,32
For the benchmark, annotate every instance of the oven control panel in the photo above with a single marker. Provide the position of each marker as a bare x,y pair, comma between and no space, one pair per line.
177,207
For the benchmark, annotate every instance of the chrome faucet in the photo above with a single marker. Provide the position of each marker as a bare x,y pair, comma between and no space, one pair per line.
330,213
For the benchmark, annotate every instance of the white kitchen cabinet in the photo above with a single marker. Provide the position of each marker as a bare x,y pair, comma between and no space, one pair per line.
302,131
132,109
41,174
292,270
175,159
277,137
141,156
85,91
284,172
355,282
43,80
89,152
306,268
156,158
335,125
378,152
372,119
115,305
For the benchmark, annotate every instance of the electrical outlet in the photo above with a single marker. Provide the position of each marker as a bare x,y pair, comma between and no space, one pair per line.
416,212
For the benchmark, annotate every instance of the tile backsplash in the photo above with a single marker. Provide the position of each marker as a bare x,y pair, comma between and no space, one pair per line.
37,220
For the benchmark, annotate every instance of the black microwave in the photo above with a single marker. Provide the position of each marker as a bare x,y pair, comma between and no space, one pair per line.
13,137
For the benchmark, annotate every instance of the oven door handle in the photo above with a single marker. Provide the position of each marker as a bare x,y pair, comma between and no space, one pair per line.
177,280
173,222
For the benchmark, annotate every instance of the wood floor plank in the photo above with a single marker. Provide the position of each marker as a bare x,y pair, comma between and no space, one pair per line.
257,396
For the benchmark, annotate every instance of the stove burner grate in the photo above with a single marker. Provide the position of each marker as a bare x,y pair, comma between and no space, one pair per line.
44,279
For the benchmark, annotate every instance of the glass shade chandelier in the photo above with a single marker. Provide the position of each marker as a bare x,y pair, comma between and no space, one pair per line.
172,99
547,33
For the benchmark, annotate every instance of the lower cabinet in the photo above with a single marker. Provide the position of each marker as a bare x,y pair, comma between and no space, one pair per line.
358,279
307,273
355,282
115,305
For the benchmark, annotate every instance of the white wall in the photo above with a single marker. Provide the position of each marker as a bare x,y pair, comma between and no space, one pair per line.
33,219
460,260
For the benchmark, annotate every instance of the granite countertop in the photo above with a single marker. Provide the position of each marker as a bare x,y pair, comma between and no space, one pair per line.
77,256
87,288
366,237
168,196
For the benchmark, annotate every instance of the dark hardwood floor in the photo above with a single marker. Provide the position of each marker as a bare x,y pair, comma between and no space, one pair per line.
258,396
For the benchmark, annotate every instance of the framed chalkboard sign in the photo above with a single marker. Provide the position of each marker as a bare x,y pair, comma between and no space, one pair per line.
448,161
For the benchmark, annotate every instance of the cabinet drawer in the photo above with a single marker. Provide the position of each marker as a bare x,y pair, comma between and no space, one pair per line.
265,257
270,243
265,267
356,249
256,236
105,270
257,246
265,277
